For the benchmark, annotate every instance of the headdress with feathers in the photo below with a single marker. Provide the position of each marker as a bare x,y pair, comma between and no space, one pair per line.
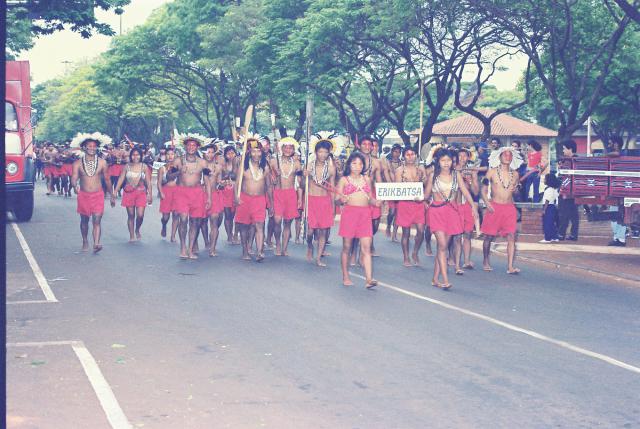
516,160
288,141
337,144
432,153
82,138
181,139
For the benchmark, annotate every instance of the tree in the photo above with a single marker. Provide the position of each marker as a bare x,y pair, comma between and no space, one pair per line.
570,43
30,19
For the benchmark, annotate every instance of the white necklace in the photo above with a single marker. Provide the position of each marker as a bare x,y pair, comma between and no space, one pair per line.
325,173
508,185
90,167
291,166
256,176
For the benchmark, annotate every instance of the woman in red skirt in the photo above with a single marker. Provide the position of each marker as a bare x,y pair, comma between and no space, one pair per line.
137,192
444,188
166,190
354,191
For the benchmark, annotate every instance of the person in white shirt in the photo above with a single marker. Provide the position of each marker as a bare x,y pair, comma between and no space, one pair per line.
550,200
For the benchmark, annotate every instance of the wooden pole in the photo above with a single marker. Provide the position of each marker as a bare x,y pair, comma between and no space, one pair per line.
309,108
245,132
421,115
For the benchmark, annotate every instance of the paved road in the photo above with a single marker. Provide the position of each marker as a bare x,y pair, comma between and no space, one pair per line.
220,342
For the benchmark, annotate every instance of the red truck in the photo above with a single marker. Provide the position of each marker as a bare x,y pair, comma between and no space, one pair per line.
18,139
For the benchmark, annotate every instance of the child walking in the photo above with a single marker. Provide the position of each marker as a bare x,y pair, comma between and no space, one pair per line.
550,200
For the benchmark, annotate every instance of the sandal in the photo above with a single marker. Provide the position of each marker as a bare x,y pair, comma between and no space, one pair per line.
446,286
468,266
372,284
459,272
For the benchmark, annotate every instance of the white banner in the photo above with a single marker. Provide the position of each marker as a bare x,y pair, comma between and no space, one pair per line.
157,165
399,191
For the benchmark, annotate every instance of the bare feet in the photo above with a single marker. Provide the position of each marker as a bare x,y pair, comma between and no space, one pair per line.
394,239
246,257
85,247
260,257
97,248
138,235
428,251
347,282
163,232
487,267
309,255
183,255
468,266
407,263
213,253
193,256
320,263
416,259
325,254
132,240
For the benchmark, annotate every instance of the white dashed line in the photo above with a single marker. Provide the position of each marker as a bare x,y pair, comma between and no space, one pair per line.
42,281
511,327
105,395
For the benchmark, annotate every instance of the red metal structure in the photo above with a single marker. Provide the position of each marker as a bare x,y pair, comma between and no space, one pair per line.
18,139
601,180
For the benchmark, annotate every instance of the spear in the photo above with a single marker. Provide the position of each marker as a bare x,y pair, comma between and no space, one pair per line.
421,113
275,145
245,131
309,117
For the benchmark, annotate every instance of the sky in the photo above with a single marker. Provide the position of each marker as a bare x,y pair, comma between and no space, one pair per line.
54,54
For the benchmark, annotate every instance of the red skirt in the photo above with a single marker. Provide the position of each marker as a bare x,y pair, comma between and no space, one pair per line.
355,222
135,198
67,169
115,170
410,213
320,212
445,218
466,217
217,204
228,199
90,203
189,200
503,221
252,210
167,203
285,203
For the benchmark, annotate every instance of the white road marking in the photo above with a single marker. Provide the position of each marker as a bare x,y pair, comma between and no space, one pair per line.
35,301
42,281
511,327
105,395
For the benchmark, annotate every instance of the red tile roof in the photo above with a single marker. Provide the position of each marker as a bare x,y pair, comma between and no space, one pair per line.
501,125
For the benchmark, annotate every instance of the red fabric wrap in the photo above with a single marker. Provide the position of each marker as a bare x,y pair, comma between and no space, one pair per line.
90,203
137,198
189,200
503,221
168,202
285,203
252,209
409,213
445,218
466,217
320,212
355,222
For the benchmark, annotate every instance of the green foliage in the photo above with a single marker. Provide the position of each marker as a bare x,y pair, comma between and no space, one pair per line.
30,19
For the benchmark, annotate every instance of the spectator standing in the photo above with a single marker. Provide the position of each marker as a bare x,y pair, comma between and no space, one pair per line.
550,200
567,208
534,168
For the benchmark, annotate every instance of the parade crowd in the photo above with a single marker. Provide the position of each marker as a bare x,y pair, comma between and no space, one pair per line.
259,195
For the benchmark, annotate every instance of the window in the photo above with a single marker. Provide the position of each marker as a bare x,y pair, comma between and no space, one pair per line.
10,117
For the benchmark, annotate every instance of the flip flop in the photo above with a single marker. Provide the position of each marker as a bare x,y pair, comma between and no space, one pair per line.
446,286
468,266
97,248
459,272
514,271
372,284
487,269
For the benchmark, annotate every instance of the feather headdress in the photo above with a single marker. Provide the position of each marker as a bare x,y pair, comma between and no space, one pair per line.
181,139
432,153
288,141
516,160
82,138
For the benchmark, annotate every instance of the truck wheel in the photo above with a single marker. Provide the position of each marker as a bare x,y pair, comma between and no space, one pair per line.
24,207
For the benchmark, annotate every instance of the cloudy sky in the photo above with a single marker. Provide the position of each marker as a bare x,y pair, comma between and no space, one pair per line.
54,54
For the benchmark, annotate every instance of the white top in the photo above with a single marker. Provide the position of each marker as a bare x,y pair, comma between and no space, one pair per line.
551,195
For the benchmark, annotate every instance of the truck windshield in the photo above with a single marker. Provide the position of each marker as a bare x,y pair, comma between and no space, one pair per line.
10,117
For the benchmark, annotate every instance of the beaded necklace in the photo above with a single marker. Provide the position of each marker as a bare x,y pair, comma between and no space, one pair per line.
325,173
508,185
256,176
90,167
291,163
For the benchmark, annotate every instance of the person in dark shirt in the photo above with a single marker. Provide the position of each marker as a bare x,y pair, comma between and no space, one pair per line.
567,208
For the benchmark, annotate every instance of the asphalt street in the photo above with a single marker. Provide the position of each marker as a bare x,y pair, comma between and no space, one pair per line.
140,338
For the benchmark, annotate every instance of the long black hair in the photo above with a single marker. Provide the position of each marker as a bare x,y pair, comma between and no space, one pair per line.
440,153
347,167
247,159
135,149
